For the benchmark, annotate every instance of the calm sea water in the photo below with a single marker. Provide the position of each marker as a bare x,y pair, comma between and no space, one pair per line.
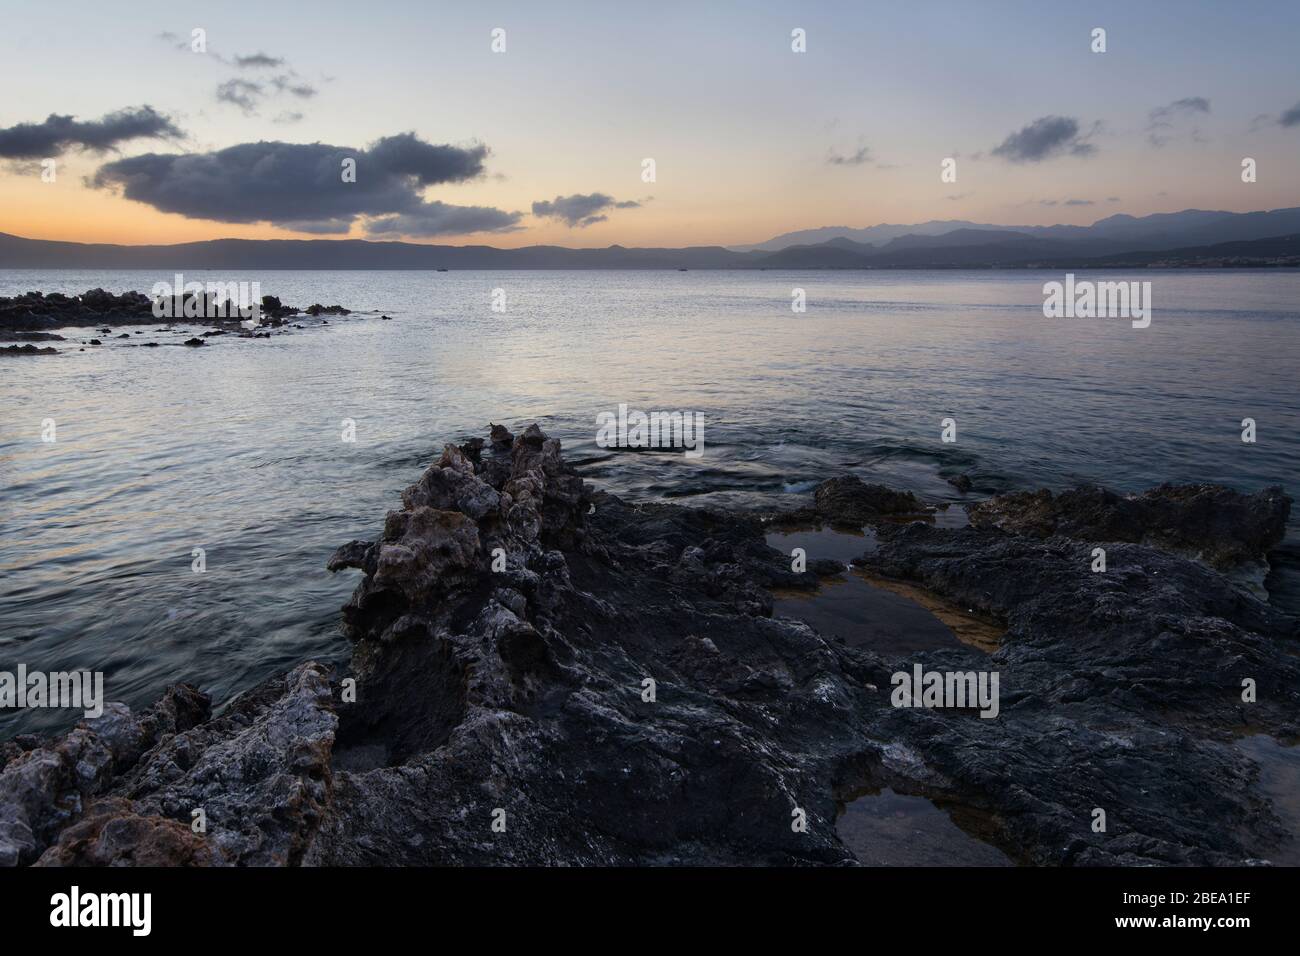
236,448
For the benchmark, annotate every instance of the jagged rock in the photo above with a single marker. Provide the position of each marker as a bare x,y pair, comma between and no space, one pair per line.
45,788
121,789
1211,523
848,500
36,311
28,349
519,686
113,834
1119,689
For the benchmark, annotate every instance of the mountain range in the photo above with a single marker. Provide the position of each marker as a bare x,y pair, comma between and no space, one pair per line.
1192,237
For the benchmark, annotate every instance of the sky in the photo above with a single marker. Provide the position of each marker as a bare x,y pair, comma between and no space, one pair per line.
545,141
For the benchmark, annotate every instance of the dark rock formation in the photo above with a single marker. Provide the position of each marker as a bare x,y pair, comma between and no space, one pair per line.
1121,690
27,349
849,501
604,681
39,311
259,773
36,311
1208,522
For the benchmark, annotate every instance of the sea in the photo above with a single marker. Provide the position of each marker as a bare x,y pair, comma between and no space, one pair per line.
263,455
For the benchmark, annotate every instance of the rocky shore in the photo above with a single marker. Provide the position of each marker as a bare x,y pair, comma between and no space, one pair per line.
31,316
545,674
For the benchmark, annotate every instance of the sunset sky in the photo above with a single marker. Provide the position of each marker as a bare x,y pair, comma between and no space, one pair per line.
749,138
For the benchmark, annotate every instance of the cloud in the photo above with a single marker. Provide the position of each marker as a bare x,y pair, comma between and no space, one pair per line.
172,39
58,134
1079,202
1291,117
857,158
579,211
248,95
1164,117
300,186
242,93
1044,138
439,218
287,118
289,83
258,60
1188,104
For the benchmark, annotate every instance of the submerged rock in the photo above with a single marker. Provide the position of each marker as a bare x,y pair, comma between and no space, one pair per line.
543,674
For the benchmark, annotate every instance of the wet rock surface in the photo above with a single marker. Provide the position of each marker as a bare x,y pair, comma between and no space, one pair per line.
1220,526
41,311
604,681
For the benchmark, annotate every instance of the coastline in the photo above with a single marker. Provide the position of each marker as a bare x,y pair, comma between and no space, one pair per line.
1120,688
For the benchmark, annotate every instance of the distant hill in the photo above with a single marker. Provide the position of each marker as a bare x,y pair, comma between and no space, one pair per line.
871,235
1157,231
1178,239
343,254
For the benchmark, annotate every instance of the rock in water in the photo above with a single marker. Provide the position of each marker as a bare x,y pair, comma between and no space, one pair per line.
850,501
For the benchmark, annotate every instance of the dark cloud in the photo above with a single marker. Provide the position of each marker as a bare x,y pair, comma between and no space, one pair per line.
1162,119
1291,117
580,210
60,133
1079,202
439,219
287,117
857,158
248,95
300,186
258,60
1044,138
242,93
289,83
